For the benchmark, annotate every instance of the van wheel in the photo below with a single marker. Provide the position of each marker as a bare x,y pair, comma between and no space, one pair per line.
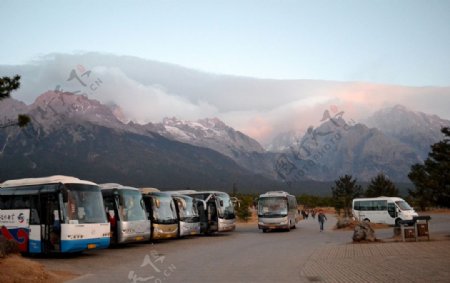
264,230
397,222
367,220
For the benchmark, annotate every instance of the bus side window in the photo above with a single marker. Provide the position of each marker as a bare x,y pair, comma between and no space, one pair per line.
5,202
34,215
20,202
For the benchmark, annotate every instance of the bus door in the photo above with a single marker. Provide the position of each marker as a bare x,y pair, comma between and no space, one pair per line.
149,211
50,222
203,216
213,219
111,208
392,209
35,240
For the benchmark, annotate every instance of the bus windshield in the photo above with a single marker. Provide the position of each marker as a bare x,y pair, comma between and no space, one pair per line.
131,208
189,209
226,208
163,210
84,204
272,207
403,205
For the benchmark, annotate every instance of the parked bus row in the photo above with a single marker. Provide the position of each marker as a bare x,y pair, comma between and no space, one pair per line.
61,214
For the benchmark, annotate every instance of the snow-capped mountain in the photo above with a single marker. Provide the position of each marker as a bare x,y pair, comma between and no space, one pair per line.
211,133
87,132
216,135
417,129
74,135
284,140
336,148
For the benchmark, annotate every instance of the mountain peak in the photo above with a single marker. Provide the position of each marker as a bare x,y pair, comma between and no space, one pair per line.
54,106
416,129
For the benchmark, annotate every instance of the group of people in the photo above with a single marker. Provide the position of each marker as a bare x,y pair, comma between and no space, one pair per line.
306,212
321,217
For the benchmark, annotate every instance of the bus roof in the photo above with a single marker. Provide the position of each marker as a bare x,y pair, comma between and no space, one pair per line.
45,180
380,198
149,190
110,186
275,194
181,192
206,192
180,196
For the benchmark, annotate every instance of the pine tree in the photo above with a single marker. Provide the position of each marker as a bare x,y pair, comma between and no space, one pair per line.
432,179
344,192
381,186
7,85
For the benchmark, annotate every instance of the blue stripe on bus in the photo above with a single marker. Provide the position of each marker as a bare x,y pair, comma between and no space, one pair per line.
35,246
69,246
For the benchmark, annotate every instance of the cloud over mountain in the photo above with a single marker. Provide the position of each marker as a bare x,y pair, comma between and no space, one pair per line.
149,91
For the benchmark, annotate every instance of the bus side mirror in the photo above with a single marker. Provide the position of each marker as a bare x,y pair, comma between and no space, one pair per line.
205,206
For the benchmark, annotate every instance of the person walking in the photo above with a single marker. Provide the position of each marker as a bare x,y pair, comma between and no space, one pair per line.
322,218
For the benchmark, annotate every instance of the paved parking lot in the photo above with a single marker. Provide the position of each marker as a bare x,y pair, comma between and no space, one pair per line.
423,261
248,255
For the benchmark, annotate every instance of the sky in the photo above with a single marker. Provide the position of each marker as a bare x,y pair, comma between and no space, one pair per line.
388,42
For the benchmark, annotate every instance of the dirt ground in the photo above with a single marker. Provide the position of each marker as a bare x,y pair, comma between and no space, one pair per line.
15,268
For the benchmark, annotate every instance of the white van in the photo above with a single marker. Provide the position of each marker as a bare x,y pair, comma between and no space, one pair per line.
388,210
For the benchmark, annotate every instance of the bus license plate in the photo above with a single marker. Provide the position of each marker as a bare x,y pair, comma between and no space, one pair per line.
92,246
139,238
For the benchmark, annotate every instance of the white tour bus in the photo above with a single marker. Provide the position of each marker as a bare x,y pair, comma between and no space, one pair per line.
277,210
56,214
126,213
219,209
388,210
162,213
188,217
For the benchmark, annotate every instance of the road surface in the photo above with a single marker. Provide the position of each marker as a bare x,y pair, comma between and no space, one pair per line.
246,255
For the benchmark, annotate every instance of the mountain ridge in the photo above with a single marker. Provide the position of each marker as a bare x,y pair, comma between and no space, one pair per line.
322,154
